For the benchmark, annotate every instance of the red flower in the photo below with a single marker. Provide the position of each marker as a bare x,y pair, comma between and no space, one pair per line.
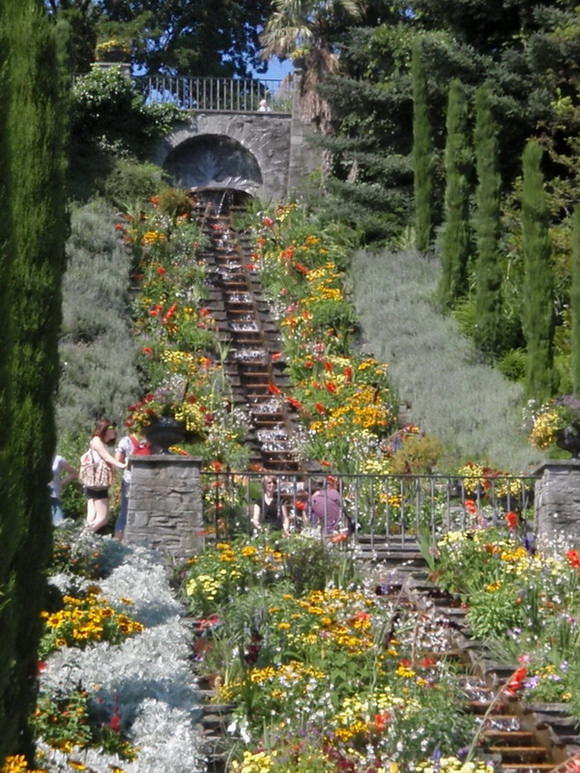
516,682
573,558
119,227
161,271
294,403
299,504
348,374
216,466
40,666
328,366
320,408
512,520
330,387
470,506
147,350
274,389
154,200
275,356
301,268
156,310
267,221
204,312
342,537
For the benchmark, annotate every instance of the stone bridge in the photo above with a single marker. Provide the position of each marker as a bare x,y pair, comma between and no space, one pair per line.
265,154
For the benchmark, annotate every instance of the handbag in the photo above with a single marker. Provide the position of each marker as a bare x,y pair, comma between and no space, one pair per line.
94,474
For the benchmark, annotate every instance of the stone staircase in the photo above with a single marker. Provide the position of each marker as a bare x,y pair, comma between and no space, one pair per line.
254,365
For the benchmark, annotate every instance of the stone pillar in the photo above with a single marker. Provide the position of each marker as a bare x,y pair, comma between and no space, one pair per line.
165,510
557,501
305,156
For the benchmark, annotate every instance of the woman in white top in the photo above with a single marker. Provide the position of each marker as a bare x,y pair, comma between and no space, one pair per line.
59,466
104,434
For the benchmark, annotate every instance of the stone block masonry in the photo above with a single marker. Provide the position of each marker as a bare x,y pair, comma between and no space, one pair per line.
165,507
557,502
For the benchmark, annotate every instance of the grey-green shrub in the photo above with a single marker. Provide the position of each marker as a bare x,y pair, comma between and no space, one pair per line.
469,406
98,371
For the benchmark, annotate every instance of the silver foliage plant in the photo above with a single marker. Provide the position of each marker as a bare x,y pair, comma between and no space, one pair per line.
147,679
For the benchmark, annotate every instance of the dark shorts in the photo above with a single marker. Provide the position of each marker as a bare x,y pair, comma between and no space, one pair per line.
97,493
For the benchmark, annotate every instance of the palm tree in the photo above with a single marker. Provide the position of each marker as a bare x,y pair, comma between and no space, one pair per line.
305,27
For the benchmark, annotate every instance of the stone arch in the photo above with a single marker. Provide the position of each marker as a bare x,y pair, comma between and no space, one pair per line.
214,161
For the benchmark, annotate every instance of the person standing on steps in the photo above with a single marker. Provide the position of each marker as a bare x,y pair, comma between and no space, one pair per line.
130,445
62,473
269,512
104,434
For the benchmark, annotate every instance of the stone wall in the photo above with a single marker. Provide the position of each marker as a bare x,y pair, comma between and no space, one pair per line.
557,501
165,509
280,144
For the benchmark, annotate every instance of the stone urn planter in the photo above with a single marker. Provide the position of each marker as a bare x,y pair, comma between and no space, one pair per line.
568,439
163,433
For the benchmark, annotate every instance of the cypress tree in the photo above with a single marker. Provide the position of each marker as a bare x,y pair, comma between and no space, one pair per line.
488,330
538,303
455,237
422,153
33,136
575,303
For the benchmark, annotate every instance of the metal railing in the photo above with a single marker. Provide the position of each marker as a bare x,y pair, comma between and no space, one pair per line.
240,95
373,508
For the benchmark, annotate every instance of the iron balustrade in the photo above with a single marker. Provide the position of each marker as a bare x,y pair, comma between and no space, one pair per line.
374,508
241,95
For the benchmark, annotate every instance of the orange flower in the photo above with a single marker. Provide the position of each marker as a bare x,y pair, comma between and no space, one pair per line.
381,721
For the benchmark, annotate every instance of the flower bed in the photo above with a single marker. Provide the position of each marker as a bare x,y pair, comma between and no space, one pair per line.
116,692
325,674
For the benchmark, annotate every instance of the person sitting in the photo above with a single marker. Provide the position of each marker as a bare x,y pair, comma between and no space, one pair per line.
269,511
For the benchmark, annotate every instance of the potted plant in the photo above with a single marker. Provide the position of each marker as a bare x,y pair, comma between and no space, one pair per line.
168,416
557,422
113,50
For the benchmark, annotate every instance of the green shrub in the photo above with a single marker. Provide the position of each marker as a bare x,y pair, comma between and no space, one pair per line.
131,180
513,364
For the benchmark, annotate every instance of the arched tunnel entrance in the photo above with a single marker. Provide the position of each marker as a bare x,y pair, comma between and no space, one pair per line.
211,165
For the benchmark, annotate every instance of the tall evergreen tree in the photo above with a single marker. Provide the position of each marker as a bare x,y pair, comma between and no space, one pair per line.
34,210
538,303
488,330
422,153
575,303
455,237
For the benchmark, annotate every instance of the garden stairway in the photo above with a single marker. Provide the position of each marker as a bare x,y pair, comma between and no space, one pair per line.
514,735
251,340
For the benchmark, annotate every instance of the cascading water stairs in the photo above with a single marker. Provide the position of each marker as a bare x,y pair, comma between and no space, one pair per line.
510,735
514,741
254,364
